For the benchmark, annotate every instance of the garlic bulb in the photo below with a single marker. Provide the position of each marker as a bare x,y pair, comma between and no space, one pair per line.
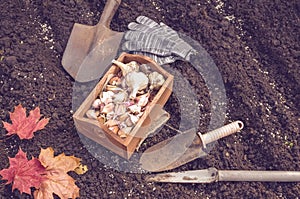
127,68
145,68
156,80
136,81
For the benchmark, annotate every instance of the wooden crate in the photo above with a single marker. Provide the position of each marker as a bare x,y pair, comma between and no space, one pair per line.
101,134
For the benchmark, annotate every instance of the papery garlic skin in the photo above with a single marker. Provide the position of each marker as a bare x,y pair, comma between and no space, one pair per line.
136,81
91,114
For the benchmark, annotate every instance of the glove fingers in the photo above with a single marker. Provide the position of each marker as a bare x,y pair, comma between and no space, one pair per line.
135,35
139,27
148,40
147,25
169,32
166,28
146,21
132,46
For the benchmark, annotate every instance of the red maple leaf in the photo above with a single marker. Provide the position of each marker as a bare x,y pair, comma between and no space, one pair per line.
24,126
23,173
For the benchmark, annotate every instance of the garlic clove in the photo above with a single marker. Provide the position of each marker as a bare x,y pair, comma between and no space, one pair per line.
91,114
110,123
134,118
142,100
128,122
97,103
123,117
120,109
108,108
115,81
110,115
126,130
114,129
122,134
135,108
106,97
113,89
101,119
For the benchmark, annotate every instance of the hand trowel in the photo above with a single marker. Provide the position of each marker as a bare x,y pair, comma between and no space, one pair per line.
214,175
90,49
183,148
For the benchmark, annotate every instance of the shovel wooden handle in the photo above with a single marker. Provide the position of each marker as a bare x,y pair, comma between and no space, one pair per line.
109,11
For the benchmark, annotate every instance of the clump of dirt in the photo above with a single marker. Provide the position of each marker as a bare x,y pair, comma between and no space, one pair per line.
254,45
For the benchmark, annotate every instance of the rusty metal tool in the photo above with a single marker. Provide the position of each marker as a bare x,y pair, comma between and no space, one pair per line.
90,49
213,175
184,148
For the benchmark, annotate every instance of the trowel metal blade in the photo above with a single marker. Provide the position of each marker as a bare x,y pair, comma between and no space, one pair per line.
173,152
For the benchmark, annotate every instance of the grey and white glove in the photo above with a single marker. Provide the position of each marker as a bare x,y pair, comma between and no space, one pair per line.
147,36
161,60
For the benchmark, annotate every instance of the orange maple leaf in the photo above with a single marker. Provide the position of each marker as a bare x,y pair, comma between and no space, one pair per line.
23,173
57,180
24,126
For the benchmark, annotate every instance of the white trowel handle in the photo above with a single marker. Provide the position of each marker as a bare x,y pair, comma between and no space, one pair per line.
109,11
221,132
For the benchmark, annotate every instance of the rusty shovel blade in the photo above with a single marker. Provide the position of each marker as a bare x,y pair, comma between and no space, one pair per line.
90,49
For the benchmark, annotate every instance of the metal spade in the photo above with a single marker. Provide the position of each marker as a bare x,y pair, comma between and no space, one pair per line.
90,49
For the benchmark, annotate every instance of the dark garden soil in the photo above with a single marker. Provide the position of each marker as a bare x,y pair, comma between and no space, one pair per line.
255,45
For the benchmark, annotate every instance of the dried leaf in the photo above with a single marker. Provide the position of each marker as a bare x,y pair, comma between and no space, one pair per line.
81,169
24,126
61,163
23,173
58,181
62,185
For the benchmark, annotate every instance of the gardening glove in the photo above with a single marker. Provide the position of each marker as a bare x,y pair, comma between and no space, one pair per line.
146,25
161,60
148,36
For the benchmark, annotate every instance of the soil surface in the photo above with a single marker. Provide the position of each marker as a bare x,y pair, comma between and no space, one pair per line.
255,46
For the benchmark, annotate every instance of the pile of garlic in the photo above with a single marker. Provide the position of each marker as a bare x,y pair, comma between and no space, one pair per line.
125,97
